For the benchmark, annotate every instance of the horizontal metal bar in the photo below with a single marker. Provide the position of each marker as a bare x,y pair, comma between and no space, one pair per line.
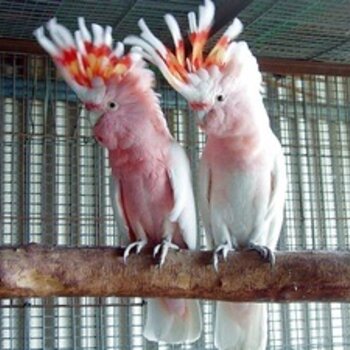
267,64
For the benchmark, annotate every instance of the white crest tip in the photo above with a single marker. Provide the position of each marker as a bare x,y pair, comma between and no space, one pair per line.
39,32
235,28
83,29
142,24
173,27
192,21
119,49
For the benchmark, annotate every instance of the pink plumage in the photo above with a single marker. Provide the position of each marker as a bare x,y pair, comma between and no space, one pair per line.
152,191
242,178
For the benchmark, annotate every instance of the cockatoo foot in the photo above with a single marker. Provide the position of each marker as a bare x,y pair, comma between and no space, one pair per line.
163,248
222,249
138,245
266,253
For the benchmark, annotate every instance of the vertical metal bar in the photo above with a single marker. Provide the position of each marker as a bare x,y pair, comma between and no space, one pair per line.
26,324
305,245
299,168
337,178
309,90
2,142
317,171
345,308
27,105
20,171
124,314
49,159
48,199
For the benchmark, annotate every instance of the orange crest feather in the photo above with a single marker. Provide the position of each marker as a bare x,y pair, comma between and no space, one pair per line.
85,58
177,68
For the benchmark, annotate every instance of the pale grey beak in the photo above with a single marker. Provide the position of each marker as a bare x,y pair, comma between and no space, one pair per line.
94,117
200,117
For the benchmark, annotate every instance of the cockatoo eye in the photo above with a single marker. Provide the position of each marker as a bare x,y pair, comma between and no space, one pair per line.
220,98
112,105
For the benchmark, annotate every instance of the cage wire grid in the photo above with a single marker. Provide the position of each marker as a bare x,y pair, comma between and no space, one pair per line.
54,185
300,29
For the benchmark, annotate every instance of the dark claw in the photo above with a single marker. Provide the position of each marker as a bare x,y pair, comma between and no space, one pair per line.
266,253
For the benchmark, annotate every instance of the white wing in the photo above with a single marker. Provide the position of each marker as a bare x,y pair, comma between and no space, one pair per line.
184,211
118,212
274,213
204,200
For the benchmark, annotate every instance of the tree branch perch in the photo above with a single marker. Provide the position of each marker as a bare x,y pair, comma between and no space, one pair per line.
38,271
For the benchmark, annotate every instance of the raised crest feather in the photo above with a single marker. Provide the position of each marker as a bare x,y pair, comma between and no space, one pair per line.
175,66
86,60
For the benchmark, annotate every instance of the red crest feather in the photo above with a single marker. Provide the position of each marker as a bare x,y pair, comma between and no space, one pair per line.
87,61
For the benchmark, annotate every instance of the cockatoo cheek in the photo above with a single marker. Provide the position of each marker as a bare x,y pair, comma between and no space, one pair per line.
104,135
214,122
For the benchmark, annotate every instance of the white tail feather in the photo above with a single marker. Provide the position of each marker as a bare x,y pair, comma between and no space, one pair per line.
167,325
240,326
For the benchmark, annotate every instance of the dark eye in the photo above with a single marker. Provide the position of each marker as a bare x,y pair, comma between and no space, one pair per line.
112,105
220,98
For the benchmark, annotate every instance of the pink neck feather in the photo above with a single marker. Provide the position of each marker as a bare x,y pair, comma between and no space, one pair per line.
144,139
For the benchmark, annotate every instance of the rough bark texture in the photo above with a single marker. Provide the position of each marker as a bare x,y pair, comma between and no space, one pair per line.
37,271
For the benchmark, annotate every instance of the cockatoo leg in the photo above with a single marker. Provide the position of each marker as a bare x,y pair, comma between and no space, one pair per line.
265,252
138,245
222,249
163,248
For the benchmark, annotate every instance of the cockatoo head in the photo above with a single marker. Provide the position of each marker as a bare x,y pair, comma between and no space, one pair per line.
111,84
208,82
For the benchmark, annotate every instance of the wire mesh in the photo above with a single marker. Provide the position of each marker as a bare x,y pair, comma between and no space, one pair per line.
299,29
54,184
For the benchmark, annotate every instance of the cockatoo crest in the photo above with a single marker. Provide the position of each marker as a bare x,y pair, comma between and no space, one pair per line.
87,61
196,75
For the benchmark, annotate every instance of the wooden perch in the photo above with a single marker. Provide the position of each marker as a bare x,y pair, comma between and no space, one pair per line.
37,271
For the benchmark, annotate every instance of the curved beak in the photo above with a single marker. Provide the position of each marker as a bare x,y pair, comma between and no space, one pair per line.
200,110
94,117
201,118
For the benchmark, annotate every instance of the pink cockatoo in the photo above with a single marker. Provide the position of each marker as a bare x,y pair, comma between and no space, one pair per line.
242,178
152,187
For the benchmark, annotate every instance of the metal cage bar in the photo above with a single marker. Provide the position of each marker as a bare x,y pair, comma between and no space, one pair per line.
54,184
